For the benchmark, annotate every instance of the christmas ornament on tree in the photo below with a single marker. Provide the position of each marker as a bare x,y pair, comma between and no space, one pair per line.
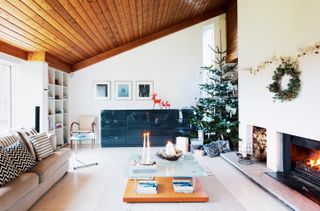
217,113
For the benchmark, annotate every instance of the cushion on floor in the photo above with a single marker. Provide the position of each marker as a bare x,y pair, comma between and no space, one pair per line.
17,188
46,167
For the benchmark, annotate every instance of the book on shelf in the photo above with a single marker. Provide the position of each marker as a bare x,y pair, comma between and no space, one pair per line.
147,187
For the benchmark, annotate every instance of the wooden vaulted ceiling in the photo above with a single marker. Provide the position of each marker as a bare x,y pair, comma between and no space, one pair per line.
77,33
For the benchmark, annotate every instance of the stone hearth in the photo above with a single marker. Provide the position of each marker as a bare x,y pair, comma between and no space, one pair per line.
257,173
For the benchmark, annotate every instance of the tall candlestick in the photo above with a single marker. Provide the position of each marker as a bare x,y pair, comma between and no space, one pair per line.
144,148
148,148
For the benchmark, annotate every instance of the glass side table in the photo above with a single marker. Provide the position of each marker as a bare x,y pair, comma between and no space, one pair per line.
76,138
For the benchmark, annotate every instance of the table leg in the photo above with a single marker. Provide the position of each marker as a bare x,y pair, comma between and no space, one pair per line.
83,165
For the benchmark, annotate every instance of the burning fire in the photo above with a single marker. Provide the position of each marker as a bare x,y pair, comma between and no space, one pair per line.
314,162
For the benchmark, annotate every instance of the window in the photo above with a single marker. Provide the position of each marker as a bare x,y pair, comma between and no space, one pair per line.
207,53
5,97
207,44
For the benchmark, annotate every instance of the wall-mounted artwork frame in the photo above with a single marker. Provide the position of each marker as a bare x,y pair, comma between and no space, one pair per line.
102,90
123,90
144,90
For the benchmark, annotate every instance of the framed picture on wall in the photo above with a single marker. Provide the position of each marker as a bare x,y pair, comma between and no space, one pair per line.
123,90
144,90
102,90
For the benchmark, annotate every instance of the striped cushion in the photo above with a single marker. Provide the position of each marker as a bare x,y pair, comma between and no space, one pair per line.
20,157
7,171
8,140
24,135
41,145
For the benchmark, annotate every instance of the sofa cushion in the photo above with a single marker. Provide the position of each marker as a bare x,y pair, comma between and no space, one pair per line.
20,157
16,189
46,167
7,170
8,140
41,145
24,135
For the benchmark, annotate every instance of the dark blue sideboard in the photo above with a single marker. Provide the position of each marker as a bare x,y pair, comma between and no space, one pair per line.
124,128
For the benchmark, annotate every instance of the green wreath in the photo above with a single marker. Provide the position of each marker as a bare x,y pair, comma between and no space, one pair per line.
294,85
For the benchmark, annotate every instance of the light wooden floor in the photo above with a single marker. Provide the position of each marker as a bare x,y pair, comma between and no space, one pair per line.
101,187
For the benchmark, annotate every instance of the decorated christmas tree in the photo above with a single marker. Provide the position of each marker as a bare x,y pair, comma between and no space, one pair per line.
217,112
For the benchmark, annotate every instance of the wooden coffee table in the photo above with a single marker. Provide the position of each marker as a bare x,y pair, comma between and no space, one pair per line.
166,171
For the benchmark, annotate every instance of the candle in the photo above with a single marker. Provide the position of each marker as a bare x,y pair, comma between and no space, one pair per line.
182,144
144,148
169,148
148,148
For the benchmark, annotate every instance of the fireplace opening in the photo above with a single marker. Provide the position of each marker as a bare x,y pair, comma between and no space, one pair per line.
301,166
305,164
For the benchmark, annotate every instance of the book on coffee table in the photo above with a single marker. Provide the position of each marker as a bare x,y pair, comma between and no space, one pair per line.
147,187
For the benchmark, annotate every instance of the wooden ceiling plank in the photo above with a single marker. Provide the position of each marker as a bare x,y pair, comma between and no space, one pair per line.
20,37
164,14
128,17
12,50
188,10
150,16
34,39
88,9
198,8
39,24
11,20
155,13
139,17
89,38
145,17
134,17
16,36
149,38
118,22
99,13
114,29
87,6
160,14
14,41
123,21
88,21
84,25
51,16
177,7
171,12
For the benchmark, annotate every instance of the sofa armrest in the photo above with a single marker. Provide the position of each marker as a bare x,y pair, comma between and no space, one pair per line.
53,140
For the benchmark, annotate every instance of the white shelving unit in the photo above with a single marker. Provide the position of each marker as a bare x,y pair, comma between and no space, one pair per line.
58,105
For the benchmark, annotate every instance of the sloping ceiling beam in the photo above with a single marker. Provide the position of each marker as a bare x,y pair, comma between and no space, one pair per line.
13,51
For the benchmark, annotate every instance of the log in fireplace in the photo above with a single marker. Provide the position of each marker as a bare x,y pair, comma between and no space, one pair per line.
301,166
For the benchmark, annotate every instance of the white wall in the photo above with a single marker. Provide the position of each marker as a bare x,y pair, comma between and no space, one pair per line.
268,28
28,92
28,79
172,62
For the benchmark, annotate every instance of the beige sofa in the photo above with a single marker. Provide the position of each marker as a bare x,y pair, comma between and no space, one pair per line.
22,192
